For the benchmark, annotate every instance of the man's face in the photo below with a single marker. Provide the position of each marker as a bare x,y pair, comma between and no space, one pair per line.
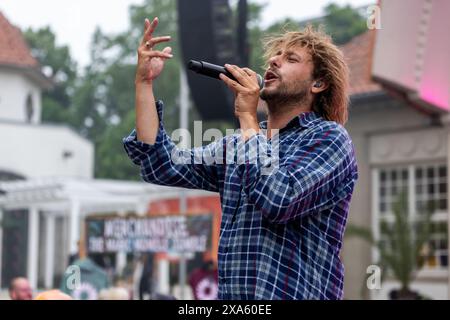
22,290
288,78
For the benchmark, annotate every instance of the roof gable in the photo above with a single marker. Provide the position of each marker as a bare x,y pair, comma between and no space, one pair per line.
358,54
13,47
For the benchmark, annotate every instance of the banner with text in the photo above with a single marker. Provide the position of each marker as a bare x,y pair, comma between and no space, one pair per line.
152,234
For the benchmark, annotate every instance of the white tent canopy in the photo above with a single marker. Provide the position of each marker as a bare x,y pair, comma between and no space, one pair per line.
93,196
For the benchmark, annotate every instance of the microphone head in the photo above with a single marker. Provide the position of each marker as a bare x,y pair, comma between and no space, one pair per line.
260,81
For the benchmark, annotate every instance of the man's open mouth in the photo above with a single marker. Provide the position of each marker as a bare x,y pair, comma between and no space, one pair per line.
270,76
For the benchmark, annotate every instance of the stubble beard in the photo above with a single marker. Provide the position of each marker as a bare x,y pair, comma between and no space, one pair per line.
285,97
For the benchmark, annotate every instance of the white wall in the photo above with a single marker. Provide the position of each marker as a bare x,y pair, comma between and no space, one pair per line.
14,89
37,151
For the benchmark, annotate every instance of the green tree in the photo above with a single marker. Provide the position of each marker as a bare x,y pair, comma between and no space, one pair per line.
113,77
59,66
111,155
111,87
122,65
343,23
99,103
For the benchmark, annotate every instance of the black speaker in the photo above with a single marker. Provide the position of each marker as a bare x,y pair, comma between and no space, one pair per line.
206,33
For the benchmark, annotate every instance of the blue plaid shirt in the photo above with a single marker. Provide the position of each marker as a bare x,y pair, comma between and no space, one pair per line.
282,225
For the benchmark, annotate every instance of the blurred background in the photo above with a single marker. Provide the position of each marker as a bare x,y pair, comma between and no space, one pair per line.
68,191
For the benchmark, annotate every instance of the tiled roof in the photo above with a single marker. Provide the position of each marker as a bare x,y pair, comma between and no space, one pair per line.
358,54
13,47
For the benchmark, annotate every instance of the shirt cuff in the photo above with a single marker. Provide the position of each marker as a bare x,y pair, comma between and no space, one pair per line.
137,150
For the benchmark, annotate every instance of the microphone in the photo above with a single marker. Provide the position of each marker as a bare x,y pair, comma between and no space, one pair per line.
213,71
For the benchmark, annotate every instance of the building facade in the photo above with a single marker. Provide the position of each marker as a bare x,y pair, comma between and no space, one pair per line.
31,150
401,147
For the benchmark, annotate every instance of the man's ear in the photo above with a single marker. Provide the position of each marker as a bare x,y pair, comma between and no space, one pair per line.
319,86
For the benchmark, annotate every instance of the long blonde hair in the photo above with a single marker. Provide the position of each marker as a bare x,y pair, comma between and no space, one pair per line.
329,66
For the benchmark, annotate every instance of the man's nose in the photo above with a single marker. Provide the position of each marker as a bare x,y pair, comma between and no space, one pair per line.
274,61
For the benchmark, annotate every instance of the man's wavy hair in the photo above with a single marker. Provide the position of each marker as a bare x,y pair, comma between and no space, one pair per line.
329,66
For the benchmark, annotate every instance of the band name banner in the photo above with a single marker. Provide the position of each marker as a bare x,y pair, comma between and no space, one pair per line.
156,234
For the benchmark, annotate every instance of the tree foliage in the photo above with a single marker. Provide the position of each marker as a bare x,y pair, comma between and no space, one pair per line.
60,67
343,23
98,101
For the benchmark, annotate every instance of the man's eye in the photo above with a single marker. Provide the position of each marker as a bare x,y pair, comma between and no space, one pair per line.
292,60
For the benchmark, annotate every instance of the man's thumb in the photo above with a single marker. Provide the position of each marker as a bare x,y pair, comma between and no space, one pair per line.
167,50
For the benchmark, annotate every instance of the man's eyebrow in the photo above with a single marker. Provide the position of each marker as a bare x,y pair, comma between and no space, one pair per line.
292,53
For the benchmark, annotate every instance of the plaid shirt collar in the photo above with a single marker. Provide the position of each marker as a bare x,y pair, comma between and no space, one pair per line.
303,120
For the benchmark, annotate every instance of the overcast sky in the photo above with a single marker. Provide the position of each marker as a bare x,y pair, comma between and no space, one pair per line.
74,21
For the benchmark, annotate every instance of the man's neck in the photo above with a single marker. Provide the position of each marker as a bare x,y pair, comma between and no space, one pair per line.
279,120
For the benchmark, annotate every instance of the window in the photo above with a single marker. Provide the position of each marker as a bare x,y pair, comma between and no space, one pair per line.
425,190
29,108
392,183
431,186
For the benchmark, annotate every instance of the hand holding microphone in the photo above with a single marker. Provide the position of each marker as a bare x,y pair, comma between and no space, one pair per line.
246,85
214,71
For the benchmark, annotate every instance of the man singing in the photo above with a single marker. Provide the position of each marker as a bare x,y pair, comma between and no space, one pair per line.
281,229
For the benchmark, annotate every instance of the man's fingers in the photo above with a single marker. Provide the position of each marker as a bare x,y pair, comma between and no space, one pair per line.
157,40
250,72
156,54
241,76
228,82
146,25
167,50
146,52
149,29
146,28
153,26
233,85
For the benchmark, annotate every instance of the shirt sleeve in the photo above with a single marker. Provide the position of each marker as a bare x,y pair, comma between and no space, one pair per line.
163,163
319,171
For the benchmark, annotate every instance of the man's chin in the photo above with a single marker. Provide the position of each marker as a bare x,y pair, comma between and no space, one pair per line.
268,94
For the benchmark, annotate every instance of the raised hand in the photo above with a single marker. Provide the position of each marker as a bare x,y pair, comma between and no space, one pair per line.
151,62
